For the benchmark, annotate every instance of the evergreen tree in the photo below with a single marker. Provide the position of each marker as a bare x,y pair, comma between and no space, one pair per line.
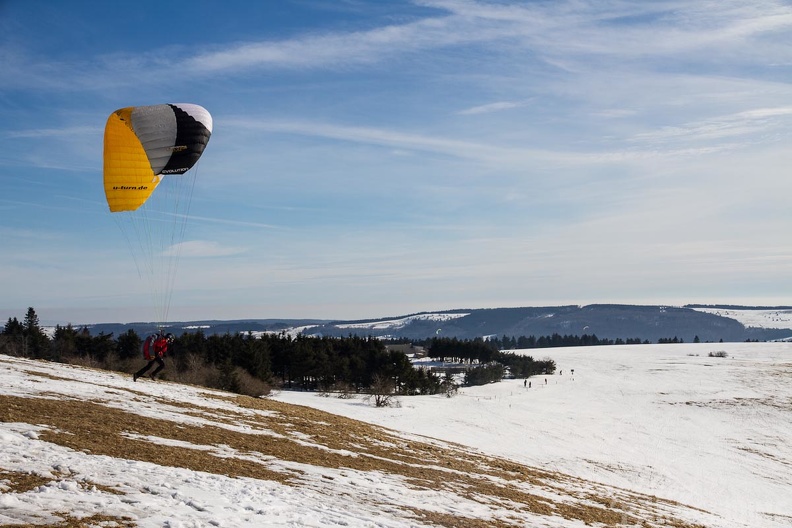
31,323
129,345
36,341
64,343
229,378
13,328
254,357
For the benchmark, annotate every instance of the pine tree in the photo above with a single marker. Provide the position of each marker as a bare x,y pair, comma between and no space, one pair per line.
13,328
31,323
129,345
36,340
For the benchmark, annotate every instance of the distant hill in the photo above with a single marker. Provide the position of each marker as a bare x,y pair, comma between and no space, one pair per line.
611,321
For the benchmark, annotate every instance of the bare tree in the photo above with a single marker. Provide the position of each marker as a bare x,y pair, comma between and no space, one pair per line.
383,392
448,386
344,390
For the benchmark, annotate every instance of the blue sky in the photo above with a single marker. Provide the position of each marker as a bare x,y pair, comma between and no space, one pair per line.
379,158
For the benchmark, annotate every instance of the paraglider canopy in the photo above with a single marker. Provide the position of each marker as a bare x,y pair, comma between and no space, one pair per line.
148,154
144,143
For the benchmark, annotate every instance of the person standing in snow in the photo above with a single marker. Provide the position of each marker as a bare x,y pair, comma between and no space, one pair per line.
154,349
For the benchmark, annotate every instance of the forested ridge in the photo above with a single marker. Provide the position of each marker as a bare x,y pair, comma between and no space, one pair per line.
241,363
254,364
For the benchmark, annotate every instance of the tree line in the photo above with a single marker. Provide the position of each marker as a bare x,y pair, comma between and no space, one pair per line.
241,363
558,340
250,364
490,361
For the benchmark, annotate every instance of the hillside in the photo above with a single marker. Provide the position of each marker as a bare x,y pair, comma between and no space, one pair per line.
81,447
665,420
606,321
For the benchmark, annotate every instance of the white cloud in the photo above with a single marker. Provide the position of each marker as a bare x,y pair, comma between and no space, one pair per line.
745,123
203,248
491,107
66,132
392,138
330,49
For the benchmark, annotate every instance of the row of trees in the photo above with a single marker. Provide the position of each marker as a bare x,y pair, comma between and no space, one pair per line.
486,353
240,363
250,364
558,340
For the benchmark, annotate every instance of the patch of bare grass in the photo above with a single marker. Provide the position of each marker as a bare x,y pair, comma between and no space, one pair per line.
20,482
69,521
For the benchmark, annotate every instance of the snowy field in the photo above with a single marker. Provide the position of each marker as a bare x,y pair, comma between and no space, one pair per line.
667,420
712,433
401,322
777,318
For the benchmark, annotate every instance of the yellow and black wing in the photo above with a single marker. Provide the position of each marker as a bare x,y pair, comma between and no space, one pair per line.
142,144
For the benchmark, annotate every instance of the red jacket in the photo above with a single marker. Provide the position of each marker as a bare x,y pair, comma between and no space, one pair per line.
155,347
160,346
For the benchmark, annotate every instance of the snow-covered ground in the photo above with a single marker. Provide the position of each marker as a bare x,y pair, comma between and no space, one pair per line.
756,318
667,420
403,321
712,433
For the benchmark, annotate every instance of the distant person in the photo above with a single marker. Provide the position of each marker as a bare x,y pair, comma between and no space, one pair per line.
155,347
525,383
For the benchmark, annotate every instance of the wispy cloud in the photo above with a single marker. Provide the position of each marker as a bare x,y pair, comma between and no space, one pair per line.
66,132
388,138
645,146
203,248
491,107
227,221
331,49
555,31
610,29
744,124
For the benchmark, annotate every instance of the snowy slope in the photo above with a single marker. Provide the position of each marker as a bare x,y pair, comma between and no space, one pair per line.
401,322
756,318
666,420
662,420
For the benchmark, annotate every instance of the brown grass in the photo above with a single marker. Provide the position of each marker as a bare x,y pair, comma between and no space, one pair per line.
67,521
